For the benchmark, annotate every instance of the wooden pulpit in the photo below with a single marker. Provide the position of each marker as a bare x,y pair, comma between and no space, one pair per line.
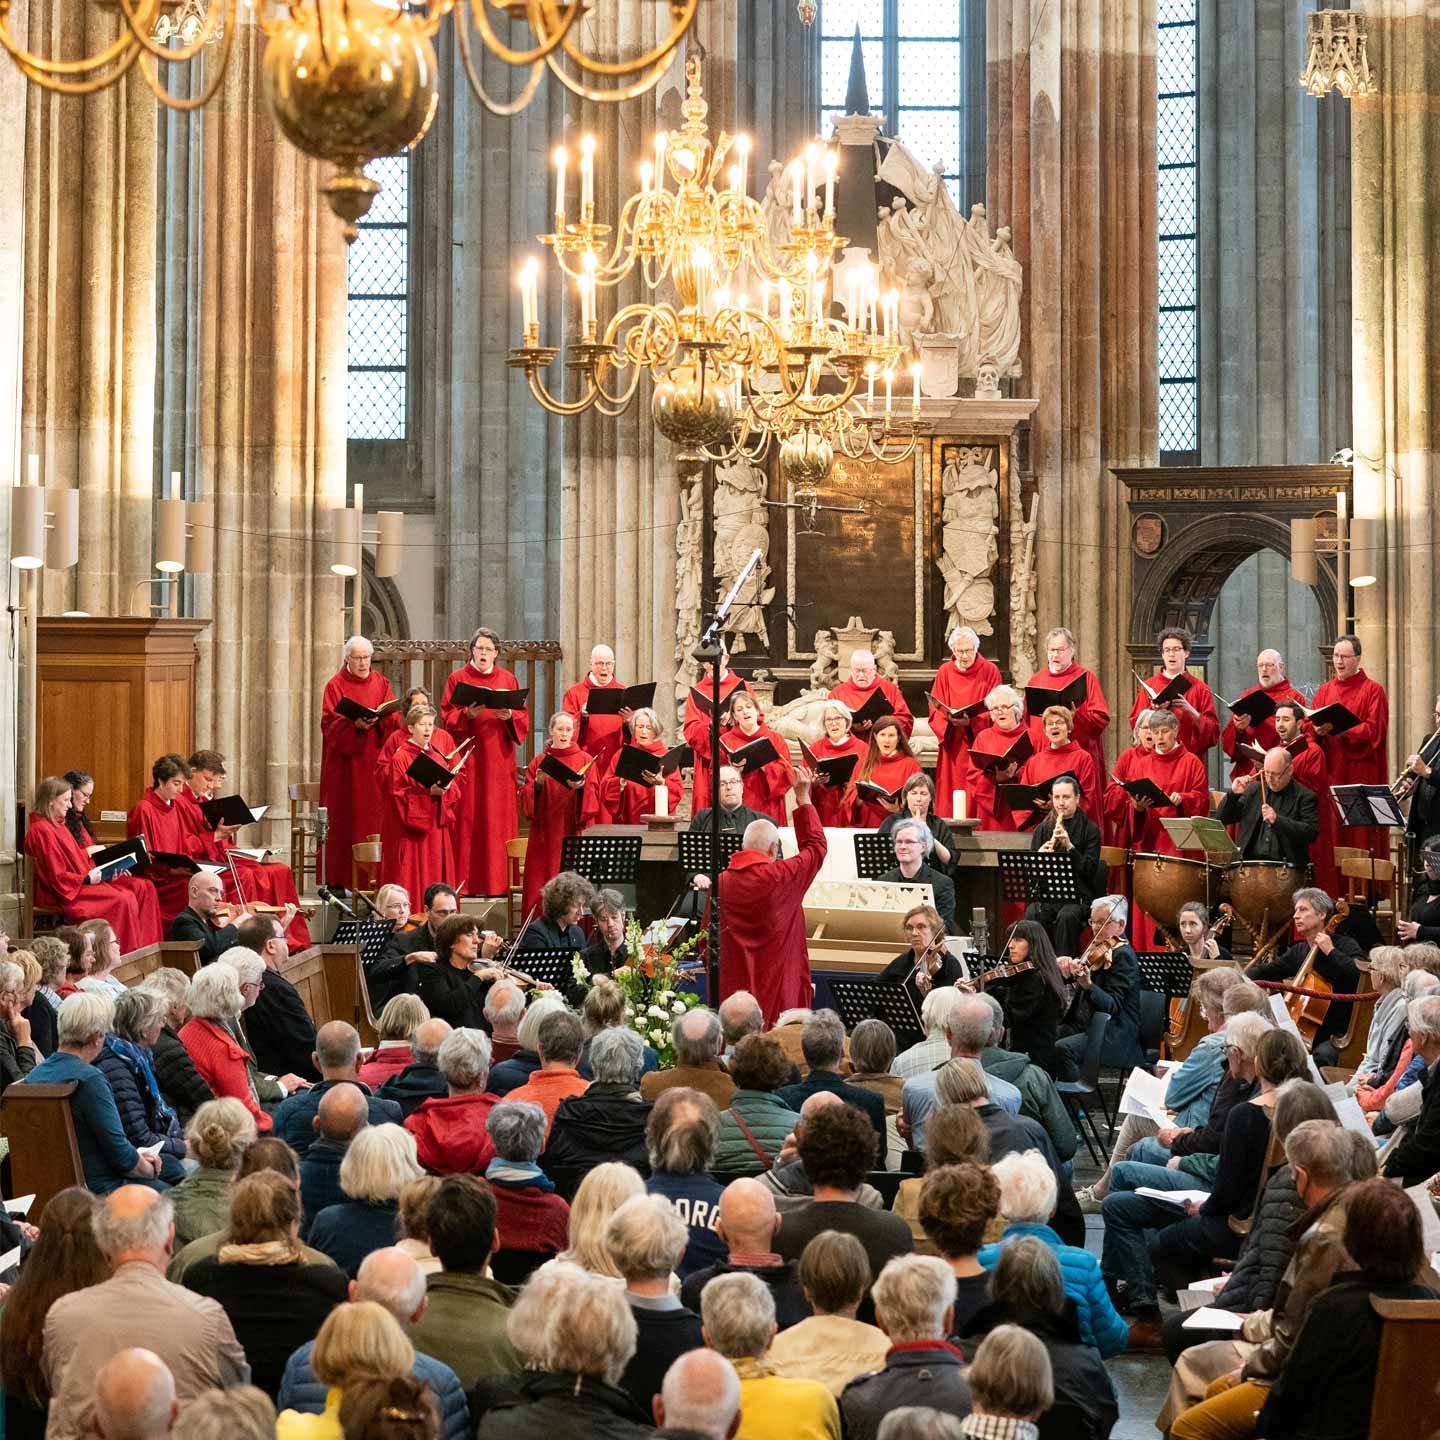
113,692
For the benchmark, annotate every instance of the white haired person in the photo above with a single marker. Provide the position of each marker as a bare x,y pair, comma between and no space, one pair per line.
601,728
996,755
351,734
1065,681
865,688
832,796
957,712
379,1163
627,793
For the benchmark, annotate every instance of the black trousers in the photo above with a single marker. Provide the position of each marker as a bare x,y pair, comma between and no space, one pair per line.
1063,922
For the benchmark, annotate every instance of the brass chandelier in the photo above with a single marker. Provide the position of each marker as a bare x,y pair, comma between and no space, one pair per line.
734,370
351,80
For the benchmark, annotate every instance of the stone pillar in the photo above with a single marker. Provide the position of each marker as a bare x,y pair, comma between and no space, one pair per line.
1072,120
1396,247
777,68
271,372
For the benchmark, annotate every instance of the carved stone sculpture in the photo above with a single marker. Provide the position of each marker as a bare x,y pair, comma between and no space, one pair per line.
689,569
969,536
742,526
825,672
1024,620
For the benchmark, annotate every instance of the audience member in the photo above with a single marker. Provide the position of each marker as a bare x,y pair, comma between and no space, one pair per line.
250,970
872,1052
969,1027
216,1138
421,1080
559,1039
789,1182
831,1345
680,1138
607,1122
414,1224
278,1026
215,1001
699,1043
604,1008
602,1192
239,1413
748,1222
18,1052
343,1112
184,1088
125,1062
757,1122
920,1422
450,1135
134,1397
379,1164
740,1015
1417,1156
337,1058
504,1006
395,1029
526,1060
533,1220
957,1205
395,1409
700,1399
934,1050
1010,1386
1039,1099
823,1043
955,1133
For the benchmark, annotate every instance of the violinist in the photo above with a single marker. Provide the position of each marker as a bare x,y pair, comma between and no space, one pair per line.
927,963
1035,997
393,903
1068,830
1422,778
206,918
455,986
1106,977
563,899
392,974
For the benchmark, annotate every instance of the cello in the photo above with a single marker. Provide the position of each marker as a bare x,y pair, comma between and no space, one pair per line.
1308,1011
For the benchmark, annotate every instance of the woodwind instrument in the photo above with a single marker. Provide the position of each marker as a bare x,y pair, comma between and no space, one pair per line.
1429,752
1050,844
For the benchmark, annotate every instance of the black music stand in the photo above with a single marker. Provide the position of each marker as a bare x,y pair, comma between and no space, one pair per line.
1166,972
857,1000
874,854
369,935
1037,877
554,967
1366,807
695,850
602,859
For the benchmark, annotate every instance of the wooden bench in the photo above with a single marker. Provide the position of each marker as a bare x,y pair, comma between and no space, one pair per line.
1403,1401
44,1153
329,981
173,954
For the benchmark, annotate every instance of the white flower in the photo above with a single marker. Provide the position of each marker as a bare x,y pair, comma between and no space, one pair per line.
657,1037
656,1011
678,1008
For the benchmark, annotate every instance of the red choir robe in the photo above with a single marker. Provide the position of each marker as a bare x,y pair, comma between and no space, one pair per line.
489,814
1312,772
849,694
628,802
1358,756
164,825
1197,736
349,768
601,735
762,921
696,729
985,804
767,787
835,804
957,687
1262,734
58,883
555,811
1070,758
1092,714
417,835
1118,827
892,774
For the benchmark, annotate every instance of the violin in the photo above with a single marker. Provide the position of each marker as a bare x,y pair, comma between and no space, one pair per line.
1099,953
928,963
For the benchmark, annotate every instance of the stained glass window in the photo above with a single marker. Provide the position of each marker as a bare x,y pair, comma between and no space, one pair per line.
1178,218
377,313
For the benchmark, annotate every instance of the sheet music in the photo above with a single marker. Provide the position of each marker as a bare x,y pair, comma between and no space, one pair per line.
1207,1317
1145,1096
1429,1220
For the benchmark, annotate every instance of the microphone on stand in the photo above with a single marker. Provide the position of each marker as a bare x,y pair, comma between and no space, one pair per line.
330,898
369,904
980,929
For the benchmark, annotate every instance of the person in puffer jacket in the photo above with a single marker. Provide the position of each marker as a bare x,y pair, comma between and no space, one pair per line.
393,1279
181,1084
754,1126
125,1063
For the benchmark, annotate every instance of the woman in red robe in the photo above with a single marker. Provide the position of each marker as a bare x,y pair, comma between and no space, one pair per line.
628,802
349,757
489,816
1006,708
65,881
1092,713
766,786
1059,756
889,762
696,725
960,682
417,837
835,803
556,808
158,817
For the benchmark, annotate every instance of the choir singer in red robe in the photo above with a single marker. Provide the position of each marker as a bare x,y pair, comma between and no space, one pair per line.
557,807
601,735
888,763
767,785
863,684
628,802
1308,761
1195,709
1356,756
1060,755
762,911
1092,710
1119,826
489,815
1006,708
66,882
696,725
417,837
835,802
1270,673
963,680
158,818
349,757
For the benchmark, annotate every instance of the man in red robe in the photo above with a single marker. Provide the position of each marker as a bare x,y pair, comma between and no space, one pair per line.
696,725
600,735
1195,709
1311,770
964,680
762,914
161,818
1357,756
1092,710
350,757
1270,672
864,681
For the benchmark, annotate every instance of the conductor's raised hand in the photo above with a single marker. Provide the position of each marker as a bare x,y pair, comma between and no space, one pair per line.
804,780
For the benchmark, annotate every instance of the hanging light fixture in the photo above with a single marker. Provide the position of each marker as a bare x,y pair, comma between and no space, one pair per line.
351,80
1336,54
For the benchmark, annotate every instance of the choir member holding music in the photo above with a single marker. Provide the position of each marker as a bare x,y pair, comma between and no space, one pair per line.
638,770
760,755
869,698
958,713
424,781
834,758
1186,696
558,801
880,781
996,755
1064,681
696,725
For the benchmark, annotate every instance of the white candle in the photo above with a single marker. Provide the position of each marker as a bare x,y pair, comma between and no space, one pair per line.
562,162
831,165
915,398
812,160
797,182
587,177
662,800
957,804
733,176
742,149
647,174
870,388
888,378
661,141
784,315
529,295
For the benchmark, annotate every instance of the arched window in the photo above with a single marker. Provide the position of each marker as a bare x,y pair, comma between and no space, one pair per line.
376,315
1176,153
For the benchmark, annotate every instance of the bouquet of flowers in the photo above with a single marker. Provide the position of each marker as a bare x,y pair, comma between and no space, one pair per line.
650,980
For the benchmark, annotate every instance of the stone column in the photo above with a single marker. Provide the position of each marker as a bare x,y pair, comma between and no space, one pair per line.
777,68
1396,246
1072,121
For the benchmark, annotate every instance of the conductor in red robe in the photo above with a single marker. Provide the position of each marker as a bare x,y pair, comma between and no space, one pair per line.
556,807
762,914
65,881
1092,711
489,809
1195,709
862,685
767,785
601,735
417,838
349,757
1270,672
696,725
628,802
1311,770
963,680
1356,756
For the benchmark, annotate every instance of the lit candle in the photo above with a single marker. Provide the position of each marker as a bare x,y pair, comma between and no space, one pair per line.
529,295
647,174
915,398
832,163
812,161
662,800
742,149
874,300
850,302
888,378
587,177
797,182
702,278
957,805
661,141
733,176
562,162
870,388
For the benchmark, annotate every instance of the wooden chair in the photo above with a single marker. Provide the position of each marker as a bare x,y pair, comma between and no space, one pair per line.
1371,881
1343,853
515,881
304,798
44,1153
365,865
1403,1404
1350,1047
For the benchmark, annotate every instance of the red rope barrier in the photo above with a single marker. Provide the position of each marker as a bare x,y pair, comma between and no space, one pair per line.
1315,994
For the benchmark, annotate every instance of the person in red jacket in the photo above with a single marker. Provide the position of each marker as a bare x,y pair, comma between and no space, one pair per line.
450,1134
1356,756
1195,709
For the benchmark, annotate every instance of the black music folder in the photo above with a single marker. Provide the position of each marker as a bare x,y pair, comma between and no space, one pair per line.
869,790
876,707
230,810
354,710
1145,789
1039,698
993,749
956,712
557,769
835,771
635,763
612,700
1030,797
1256,706
1172,689
425,769
754,756
487,697
1338,717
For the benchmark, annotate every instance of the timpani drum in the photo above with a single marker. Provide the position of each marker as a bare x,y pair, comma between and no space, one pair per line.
1263,892
1163,883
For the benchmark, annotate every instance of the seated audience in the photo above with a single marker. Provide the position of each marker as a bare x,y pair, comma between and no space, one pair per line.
450,1135
53,955
699,1043
533,1220
830,1345
607,1122
680,1136
526,1060
379,1164
1010,1386
739,1322
914,1305
18,1052
1029,1292
602,1192
278,1027
955,1133
79,957
455,986
1039,1099
923,1057
823,1043
135,1397
699,1399
396,1409
215,1001
240,1413
125,1062
421,1080
504,1007
646,1240
137,1305
603,1008
756,1123
559,1040
274,1298
872,1052
105,954
343,1112
1417,1155
958,1204
181,1084
740,1015
337,1058
35,1008
394,1029
748,1222
414,1224
108,1158
216,1138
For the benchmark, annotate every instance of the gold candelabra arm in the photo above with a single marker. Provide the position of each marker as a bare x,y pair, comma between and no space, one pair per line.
477,87
533,359
536,12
